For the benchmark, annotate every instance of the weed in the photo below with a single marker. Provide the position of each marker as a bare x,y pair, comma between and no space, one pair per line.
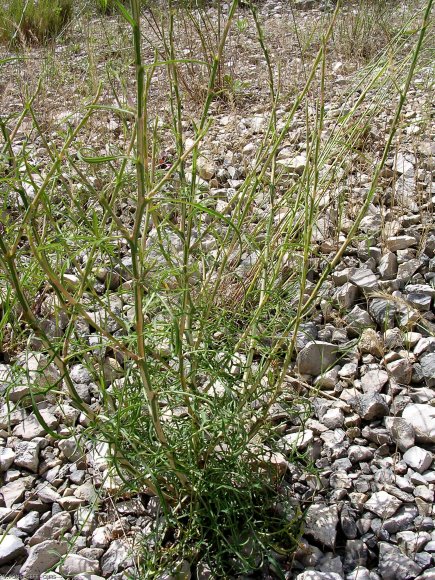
190,347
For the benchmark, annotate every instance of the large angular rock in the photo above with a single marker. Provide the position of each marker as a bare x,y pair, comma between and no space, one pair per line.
422,418
383,312
393,339
295,165
357,320
316,575
408,269
401,432
11,547
346,295
388,266
27,455
79,374
357,453
395,243
333,419
13,492
206,168
401,370
29,522
370,406
419,300
425,289
374,381
418,459
404,164
427,363
42,557
383,504
52,529
299,440
340,277
321,522
75,564
31,427
364,279
406,315
328,379
403,519
316,357
117,557
371,343
47,493
394,565
71,503
101,536
71,449
7,457
412,542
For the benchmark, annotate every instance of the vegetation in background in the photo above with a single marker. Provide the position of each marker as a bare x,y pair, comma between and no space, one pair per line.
365,30
29,21
106,6
110,6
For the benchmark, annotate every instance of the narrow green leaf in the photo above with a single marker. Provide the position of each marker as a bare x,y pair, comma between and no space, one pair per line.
99,159
125,13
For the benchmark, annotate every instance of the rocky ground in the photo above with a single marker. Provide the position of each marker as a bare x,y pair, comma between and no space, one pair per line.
366,362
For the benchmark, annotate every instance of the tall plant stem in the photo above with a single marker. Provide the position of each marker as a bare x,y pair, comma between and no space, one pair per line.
136,246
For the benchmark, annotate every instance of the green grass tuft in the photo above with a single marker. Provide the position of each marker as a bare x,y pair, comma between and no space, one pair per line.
33,21
106,6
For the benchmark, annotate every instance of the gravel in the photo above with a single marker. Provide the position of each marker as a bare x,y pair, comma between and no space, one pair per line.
365,363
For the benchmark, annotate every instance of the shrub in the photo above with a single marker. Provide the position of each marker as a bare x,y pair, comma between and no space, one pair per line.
23,21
